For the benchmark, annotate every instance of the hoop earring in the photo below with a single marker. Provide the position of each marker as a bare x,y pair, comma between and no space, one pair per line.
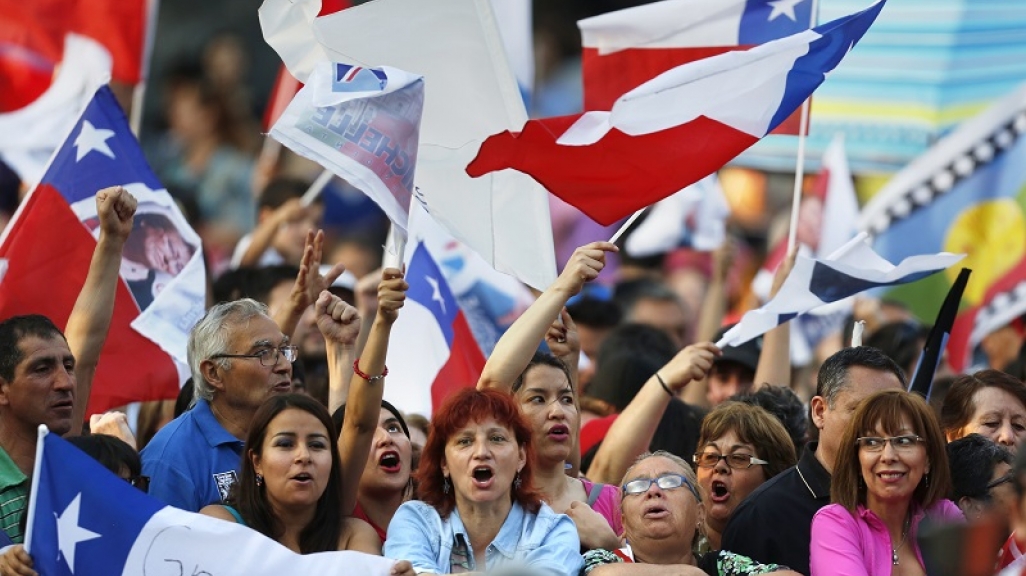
259,480
445,485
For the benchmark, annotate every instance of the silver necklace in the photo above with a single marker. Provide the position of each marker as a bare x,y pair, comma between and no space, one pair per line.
904,536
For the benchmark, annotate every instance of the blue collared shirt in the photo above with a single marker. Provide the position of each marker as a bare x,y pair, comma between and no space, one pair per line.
193,461
545,542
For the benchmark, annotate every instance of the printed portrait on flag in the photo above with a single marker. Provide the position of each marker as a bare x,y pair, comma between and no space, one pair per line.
159,248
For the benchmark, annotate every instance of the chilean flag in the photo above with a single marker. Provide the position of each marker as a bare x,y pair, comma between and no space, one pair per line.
676,128
32,34
28,53
84,520
624,49
432,351
46,250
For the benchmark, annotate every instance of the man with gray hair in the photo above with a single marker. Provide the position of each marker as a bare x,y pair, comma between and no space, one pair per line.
792,497
239,357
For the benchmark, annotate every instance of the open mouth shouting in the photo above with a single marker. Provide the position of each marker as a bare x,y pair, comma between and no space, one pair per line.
483,477
719,492
390,462
303,479
559,433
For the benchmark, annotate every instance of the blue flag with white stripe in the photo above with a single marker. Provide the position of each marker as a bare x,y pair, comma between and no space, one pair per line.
812,283
86,521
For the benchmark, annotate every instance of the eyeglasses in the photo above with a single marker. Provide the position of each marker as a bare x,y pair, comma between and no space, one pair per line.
664,482
140,482
735,461
876,443
268,356
999,481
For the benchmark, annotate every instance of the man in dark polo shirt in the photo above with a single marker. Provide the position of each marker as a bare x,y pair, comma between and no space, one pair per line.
774,523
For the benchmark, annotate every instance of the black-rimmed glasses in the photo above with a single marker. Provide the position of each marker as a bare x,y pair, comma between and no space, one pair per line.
664,482
268,356
735,461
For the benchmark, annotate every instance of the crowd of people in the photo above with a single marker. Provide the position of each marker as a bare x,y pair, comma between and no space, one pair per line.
653,452
607,433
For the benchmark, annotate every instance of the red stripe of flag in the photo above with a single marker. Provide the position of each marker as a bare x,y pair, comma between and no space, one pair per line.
464,366
50,269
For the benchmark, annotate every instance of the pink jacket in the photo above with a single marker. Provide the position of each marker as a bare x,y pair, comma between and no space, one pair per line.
844,544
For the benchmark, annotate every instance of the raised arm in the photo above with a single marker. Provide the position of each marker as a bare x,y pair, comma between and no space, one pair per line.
775,359
309,284
363,403
90,318
631,433
514,350
564,342
710,317
366,296
265,231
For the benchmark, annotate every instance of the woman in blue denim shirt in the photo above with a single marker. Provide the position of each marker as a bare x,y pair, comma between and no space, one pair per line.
479,510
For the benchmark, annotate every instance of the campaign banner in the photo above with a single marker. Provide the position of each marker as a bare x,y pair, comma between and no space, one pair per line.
363,124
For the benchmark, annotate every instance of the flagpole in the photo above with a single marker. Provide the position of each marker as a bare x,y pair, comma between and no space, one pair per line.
856,333
616,235
34,489
395,248
799,169
139,93
316,188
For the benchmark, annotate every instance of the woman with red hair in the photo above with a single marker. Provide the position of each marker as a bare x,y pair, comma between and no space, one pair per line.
546,388
478,509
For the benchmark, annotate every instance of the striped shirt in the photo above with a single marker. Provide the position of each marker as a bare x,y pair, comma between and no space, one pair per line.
14,489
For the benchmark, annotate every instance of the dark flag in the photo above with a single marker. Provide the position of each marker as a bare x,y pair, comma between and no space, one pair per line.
938,338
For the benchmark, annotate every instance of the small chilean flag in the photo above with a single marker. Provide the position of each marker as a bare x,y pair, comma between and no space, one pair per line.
432,351
675,129
624,49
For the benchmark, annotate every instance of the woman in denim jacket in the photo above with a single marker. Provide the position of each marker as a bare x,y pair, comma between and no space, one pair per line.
479,510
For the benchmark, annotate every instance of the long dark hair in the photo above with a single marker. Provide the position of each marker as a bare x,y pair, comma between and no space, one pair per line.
324,530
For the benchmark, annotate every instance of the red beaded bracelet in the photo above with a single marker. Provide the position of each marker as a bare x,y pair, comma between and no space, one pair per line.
364,375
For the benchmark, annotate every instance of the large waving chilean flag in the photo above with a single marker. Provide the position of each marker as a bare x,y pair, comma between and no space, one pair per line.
626,48
46,250
676,128
432,351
